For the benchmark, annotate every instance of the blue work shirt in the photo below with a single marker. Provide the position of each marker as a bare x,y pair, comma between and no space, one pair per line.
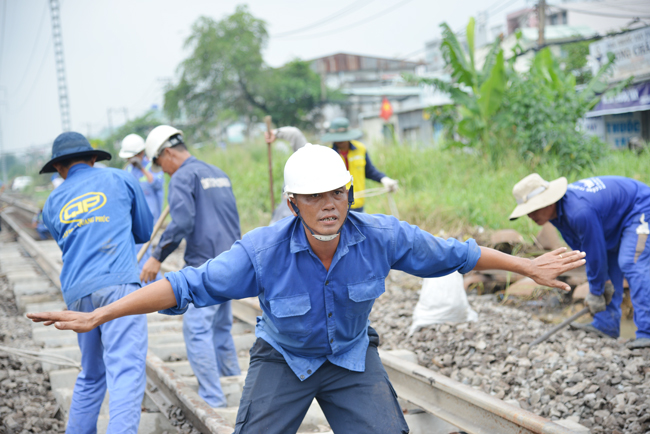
204,212
311,315
95,216
154,192
592,215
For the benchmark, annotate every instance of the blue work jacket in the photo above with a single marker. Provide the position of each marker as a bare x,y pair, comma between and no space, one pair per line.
154,192
204,212
592,215
95,216
311,315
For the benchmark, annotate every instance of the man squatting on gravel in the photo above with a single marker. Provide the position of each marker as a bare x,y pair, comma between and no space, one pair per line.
316,275
606,217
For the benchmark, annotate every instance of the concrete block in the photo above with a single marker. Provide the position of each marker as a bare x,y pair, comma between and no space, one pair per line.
63,378
23,300
16,276
157,317
150,423
165,338
405,354
573,426
49,306
232,387
184,369
177,350
71,352
35,286
164,326
53,338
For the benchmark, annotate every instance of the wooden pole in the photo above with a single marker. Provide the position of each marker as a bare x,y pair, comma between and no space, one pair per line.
541,17
156,228
267,120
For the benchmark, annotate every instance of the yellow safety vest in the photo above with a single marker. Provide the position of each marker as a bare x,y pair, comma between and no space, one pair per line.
357,168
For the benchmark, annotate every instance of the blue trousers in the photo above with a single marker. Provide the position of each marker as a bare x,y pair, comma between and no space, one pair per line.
210,349
632,261
274,400
112,356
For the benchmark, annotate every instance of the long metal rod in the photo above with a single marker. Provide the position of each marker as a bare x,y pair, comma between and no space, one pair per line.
559,327
156,228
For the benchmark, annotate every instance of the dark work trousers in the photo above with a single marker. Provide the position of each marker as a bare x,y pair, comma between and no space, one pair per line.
274,400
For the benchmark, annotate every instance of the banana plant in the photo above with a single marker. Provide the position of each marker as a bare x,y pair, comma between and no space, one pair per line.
477,92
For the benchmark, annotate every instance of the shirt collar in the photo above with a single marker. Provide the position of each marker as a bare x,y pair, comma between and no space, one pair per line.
188,161
350,235
77,167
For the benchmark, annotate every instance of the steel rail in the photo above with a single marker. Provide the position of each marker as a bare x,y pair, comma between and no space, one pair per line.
202,417
469,409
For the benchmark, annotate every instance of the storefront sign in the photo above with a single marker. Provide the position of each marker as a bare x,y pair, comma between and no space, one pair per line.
632,51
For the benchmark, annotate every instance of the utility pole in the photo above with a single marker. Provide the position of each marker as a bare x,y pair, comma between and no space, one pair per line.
541,21
57,39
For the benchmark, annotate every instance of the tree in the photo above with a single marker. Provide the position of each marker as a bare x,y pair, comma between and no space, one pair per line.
575,61
225,78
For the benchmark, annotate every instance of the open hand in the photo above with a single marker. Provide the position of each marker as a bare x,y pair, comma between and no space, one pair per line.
545,269
79,322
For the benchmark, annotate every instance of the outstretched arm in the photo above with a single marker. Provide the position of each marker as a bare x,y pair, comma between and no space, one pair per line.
543,269
151,298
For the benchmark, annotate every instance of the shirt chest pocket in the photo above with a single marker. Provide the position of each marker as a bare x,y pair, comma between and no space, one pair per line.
291,314
362,296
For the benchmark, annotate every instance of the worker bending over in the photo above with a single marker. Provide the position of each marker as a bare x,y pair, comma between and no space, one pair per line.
204,212
317,276
352,152
96,216
151,182
606,217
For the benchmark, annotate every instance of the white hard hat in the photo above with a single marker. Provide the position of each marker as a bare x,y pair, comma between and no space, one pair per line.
132,145
158,139
315,169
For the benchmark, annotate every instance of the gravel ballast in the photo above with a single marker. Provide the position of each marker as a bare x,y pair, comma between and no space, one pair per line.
595,381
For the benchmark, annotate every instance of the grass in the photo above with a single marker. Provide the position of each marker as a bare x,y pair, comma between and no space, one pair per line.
439,189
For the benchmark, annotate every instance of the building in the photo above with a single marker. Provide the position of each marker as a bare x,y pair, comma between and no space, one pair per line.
626,116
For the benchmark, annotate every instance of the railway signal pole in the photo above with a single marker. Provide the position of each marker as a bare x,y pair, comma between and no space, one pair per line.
57,39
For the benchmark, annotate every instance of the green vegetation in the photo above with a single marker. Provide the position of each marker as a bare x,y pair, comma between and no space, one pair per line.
225,79
439,189
498,110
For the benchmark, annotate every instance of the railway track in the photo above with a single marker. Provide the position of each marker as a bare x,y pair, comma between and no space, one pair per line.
433,403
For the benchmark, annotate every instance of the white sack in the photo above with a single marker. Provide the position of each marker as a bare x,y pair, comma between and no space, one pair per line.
442,299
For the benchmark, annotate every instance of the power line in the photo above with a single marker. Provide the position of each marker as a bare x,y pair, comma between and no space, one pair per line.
363,21
325,20
38,76
31,56
504,6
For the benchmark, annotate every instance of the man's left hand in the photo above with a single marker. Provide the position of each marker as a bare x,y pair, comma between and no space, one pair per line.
150,270
545,269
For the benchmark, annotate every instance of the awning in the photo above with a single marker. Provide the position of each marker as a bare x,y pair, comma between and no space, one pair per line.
633,99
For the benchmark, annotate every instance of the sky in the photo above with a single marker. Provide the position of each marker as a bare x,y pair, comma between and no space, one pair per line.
119,54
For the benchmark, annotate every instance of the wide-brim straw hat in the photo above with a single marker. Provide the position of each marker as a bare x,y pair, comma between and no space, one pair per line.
71,145
533,193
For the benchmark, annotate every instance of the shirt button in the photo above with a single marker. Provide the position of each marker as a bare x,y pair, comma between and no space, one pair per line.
309,372
329,315
331,340
302,377
327,282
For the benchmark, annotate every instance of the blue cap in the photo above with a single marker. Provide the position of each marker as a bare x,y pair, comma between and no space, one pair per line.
71,144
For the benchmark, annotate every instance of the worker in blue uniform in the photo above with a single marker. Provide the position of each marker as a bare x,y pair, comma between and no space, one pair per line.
317,276
606,217
151,181
204,212
96,216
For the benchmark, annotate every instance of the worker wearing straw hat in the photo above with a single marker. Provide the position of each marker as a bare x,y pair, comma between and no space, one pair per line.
606,218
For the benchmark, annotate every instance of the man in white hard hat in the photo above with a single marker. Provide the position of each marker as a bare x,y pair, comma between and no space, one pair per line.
204,212
151,182
606,217
345,141
317,276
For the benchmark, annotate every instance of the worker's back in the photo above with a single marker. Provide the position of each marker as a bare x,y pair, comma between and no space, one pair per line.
201,201
94,216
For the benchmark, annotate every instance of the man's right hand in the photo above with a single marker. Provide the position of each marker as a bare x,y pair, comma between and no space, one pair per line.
269,136
80,322
150,270
598,303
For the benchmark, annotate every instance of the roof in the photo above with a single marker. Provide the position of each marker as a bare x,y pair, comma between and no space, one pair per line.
556,33
340,62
